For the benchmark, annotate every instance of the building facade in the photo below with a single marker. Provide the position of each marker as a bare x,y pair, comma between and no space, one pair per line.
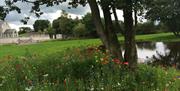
6,31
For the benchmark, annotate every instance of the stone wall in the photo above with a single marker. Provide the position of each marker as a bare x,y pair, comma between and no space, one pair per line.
8,35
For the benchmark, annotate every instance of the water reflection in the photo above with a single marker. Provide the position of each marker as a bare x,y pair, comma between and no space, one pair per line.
146,45
171,57
159,53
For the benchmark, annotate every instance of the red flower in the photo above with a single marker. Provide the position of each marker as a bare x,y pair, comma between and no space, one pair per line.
117,61
65,82
126,63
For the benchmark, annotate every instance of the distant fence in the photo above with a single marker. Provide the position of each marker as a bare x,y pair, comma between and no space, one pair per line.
23,40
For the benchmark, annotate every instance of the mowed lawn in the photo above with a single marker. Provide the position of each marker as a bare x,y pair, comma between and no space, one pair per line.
50,47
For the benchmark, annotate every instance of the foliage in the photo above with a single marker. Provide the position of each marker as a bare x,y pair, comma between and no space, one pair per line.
79,30
23,30
56,26
166,11
50,31
83,69
147,28
41,25
2,13
90,27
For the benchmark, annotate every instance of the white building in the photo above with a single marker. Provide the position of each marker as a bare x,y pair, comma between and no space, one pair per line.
6,31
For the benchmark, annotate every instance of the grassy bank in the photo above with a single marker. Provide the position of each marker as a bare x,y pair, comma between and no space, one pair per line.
51,47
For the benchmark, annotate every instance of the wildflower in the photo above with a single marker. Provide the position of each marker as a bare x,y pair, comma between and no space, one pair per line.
65,82
118,84
117,61
126,63
102,59
102,88
104,62
92,89
46,75
167,85
28,88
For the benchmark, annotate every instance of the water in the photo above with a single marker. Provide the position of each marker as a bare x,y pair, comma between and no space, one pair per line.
167,54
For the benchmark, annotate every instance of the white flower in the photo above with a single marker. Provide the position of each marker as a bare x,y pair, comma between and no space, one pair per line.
102,88
46,75
28,88
118,84
92,89
167,85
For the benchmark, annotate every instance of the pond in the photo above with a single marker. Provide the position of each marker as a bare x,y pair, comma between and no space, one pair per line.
159,53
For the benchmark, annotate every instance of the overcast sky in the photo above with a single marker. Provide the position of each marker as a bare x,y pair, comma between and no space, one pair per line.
50,13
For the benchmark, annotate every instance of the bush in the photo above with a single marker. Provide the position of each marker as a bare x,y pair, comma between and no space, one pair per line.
83,69
147,28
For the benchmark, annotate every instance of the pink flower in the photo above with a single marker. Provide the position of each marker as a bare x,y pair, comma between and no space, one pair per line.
126,63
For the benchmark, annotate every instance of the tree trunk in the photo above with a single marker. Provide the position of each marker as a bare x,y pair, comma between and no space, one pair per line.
130,44
135,14
55,37
113,42
135,18
107,36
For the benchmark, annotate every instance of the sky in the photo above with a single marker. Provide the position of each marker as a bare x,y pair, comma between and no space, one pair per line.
50,13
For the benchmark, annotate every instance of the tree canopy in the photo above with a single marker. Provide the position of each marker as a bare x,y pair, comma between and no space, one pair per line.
41,25
166,11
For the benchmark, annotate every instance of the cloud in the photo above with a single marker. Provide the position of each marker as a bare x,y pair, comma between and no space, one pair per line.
50,13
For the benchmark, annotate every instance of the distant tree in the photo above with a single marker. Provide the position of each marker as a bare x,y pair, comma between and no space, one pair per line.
41,25
50,31
65,25
79,30
89,24
148,27
23,30
165,11
56,27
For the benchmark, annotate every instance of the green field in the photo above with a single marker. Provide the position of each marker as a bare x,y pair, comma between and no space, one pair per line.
50,47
